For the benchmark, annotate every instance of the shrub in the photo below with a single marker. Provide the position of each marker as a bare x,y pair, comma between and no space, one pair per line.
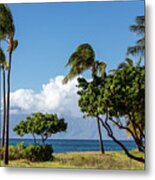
39,152
30,152
17,152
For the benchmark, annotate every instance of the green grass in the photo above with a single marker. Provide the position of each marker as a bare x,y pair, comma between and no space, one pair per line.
111,160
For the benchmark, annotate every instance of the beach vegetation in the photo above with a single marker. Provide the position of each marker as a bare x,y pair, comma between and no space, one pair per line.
42,125
85,160
117,100
81,60
7,33
38,152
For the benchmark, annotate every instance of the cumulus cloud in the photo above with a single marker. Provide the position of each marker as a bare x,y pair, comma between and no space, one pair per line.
54,97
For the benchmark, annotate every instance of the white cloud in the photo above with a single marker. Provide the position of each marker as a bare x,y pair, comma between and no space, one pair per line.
53,98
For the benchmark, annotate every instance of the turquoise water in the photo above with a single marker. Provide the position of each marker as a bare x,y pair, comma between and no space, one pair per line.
78,145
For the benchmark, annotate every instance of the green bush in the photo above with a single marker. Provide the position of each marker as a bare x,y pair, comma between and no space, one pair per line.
17,152
30,152
39,152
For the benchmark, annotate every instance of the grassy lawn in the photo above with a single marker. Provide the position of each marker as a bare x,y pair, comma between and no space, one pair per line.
111,160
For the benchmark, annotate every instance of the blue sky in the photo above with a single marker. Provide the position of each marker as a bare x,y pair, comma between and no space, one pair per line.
49,32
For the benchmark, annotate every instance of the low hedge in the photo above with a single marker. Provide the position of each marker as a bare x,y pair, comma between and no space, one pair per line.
30,152
39,152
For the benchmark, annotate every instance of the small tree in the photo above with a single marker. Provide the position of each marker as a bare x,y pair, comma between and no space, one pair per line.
43,125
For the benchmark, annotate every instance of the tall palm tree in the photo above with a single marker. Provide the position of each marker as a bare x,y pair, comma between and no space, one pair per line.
3,34
139,29
3,65
81,60
7,33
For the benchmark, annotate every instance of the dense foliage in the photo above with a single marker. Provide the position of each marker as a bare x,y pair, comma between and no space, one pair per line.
15,152
119,98
30,152
38,152
43,125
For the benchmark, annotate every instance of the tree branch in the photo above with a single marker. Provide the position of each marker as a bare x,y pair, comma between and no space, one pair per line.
136,138
110,134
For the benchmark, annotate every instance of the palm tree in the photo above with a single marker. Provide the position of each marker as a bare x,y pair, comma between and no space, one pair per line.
81,60
139,29
3,65
7,33
3,34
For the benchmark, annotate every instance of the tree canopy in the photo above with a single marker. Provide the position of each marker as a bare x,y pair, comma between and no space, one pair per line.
119,99
44,125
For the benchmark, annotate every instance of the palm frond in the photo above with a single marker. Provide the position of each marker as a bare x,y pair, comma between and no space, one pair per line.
3,62
141,42
135,50
140,30
140,20
81,60
129,61
73,58
139,27
122,65
2,56
15,44
7,27
72,74
139,61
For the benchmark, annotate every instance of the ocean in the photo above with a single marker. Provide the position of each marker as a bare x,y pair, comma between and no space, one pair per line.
61,145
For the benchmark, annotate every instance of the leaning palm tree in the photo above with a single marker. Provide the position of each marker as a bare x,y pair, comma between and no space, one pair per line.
81,60
7,33
139,29
3,66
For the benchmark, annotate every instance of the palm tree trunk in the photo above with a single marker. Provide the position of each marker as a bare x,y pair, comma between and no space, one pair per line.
6,155
4,109
100,137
